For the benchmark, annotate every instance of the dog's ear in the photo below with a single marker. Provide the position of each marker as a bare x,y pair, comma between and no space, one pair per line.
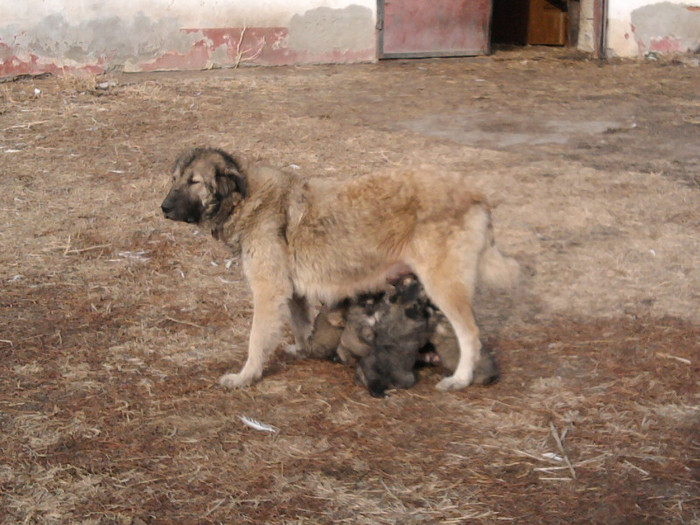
239,180
230,177
229,181
415,312
407,291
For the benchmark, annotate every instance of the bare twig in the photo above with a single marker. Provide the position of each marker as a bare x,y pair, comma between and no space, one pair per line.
88,249
669,356
560,446
635,467
183,322
28,125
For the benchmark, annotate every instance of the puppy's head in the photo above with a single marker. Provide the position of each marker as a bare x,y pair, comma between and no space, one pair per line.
203,180
385,368
373,372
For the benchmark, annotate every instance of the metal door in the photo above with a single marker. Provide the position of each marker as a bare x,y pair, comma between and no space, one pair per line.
433,28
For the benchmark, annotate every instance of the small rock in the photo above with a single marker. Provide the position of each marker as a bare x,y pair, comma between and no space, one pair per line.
106,85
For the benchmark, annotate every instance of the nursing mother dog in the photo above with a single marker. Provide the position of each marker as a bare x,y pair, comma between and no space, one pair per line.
304,240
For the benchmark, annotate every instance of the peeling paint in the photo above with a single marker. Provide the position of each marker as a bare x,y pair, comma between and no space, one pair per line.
667,44
217,47
105,42
666,28
100,44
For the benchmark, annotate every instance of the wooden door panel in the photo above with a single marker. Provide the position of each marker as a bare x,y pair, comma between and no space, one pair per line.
547,23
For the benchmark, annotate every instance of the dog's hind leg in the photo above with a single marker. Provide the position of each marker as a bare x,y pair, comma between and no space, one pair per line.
269,314
454,300
449,282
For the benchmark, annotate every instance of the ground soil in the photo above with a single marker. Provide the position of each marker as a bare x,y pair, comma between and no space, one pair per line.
115,323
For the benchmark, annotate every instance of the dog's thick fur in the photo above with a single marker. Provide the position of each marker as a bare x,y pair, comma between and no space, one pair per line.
307,240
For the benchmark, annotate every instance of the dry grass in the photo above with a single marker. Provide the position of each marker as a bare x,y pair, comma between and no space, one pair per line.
114,324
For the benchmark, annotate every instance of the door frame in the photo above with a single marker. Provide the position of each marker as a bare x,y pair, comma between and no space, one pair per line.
380,31
600,28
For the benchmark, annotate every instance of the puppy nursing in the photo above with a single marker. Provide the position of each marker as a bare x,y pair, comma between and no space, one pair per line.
387,334
307,240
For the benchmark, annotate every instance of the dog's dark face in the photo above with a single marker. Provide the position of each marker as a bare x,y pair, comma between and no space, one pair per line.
203,179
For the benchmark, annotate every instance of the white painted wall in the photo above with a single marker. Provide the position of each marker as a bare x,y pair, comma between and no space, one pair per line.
194,13
636,27
94,34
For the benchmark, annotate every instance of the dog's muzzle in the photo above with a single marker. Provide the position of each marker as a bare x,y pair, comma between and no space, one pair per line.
167,208
175,210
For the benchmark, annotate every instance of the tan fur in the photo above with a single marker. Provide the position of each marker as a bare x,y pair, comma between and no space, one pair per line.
325,240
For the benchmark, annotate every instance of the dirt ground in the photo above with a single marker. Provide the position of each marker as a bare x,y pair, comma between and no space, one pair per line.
115,323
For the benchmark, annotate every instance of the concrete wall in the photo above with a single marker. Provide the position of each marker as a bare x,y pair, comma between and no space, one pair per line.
638,27
586,29
148,35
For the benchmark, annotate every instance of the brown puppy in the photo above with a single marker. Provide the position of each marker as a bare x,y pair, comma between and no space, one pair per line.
343,332
320,240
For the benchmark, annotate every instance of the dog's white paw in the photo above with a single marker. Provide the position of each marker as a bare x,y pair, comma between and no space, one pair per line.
236,380
453,383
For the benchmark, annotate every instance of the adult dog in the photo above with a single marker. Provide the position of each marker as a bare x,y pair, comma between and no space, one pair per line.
313,239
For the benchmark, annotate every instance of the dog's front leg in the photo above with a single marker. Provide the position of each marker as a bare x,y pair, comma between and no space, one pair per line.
269,313
301,325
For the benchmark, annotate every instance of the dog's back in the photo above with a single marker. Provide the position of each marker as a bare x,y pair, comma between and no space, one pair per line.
344,237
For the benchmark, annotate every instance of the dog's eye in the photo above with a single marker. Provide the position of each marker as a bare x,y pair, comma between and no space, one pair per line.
193,181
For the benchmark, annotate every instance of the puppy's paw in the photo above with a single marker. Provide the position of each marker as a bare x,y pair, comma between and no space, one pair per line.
294,350
453,383
237,380
486,370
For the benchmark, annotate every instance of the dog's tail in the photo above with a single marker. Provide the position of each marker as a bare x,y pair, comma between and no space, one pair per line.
495,269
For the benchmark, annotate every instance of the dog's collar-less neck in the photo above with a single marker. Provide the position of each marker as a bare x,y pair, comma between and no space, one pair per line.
222,214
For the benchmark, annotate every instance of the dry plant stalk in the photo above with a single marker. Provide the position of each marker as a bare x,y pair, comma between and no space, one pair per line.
240,54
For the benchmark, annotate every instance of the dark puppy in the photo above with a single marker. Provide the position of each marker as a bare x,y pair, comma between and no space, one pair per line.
400,328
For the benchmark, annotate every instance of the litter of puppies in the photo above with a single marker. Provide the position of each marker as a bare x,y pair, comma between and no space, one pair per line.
386,335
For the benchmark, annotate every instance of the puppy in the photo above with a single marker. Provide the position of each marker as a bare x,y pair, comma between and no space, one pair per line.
400,329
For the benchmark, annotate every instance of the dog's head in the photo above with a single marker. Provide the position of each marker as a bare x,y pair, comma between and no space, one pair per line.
205,182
